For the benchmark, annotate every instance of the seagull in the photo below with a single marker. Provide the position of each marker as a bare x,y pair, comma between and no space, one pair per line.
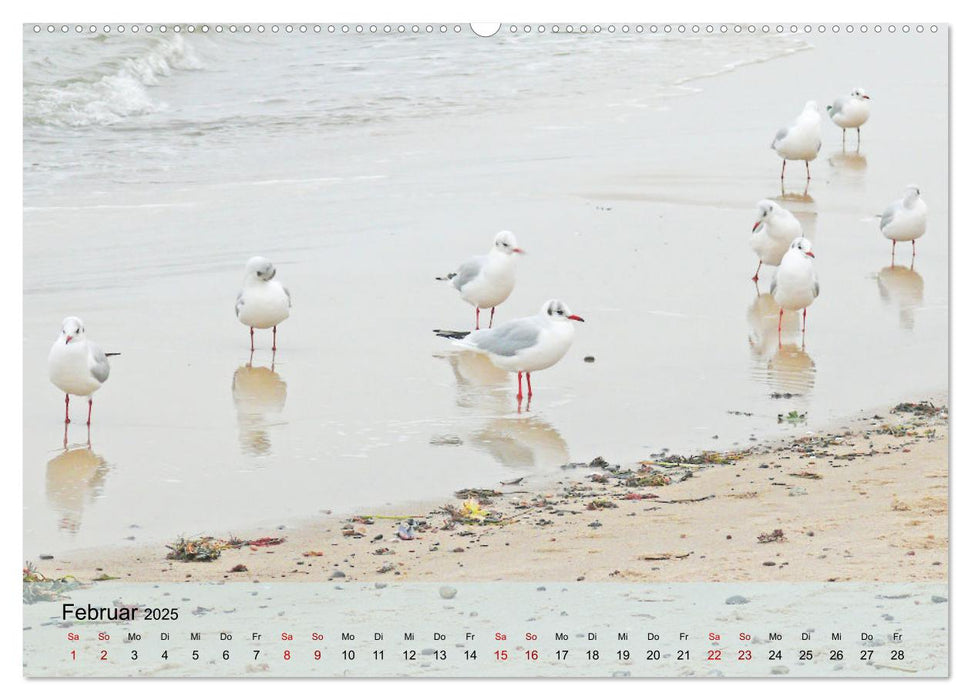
524,345
263,302
772,234
905,220
76,365
850,112
795,285
487,280
801,140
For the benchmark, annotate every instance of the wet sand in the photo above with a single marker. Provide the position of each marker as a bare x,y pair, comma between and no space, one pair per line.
863,501
623,211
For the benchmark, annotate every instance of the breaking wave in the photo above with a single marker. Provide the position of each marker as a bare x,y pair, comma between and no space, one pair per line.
111,91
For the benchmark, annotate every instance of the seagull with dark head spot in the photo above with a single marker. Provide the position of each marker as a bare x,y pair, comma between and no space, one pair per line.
905,220
774,230
801,140
487,280
263,302
850,112
524,345
77,366
795,286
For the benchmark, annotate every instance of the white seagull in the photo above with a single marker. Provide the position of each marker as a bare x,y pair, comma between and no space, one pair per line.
801,140
524,345
795,285
850,112
773,232
487,280
905,220
76,365
263,302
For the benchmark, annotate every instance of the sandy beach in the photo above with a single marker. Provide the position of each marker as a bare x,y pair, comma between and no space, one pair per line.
691,459
863,501
622,190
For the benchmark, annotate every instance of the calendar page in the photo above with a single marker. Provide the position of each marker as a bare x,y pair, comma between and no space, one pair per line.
489,350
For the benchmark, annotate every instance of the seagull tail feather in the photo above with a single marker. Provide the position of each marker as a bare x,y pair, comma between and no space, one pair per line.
451,335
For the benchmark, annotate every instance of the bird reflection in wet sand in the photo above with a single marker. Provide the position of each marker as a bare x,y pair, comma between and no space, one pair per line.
478,382
796,195
75,477
848,162
763,321
522,442
902,287
786,368
259,393
791,370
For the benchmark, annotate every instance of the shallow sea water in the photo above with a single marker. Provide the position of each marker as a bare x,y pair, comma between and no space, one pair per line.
629,168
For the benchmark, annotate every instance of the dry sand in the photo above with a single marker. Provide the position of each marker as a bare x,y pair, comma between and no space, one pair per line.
865,501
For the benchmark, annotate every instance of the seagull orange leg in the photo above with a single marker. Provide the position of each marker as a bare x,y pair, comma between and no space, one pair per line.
90,404
756,278
274,338
251,348
804,321
67,405
520,394
492,316
529,385
893,252
807,172
477,318
783,176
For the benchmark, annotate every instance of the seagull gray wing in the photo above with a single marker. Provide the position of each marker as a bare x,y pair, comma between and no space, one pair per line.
779,135
772,286
890,213
289,301
239,303
507,339
98,363
837,106
468,271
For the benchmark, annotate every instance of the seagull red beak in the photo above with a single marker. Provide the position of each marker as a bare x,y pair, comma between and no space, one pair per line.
811,254
574,317
866,97
757,224
519,250
68,340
